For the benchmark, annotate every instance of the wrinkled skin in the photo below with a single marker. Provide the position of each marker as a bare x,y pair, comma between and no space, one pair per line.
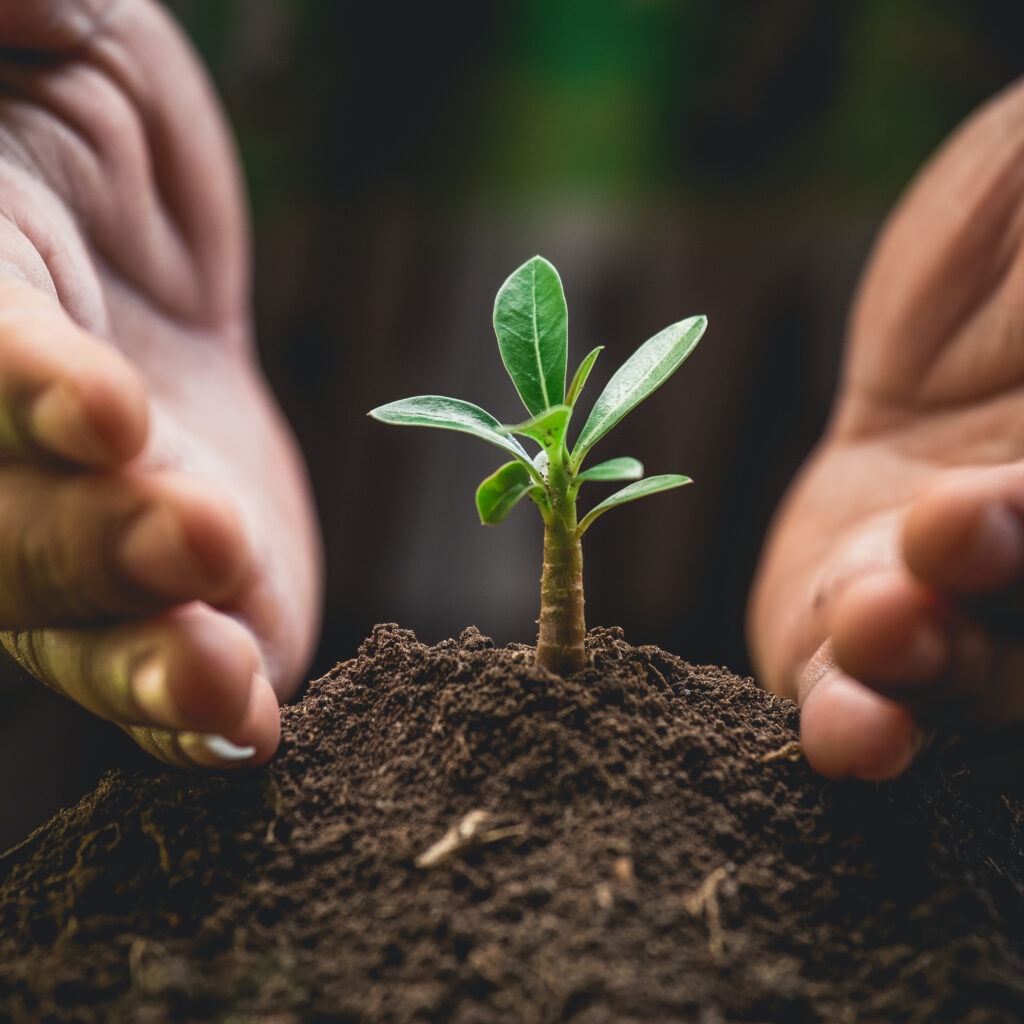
159,558
888,600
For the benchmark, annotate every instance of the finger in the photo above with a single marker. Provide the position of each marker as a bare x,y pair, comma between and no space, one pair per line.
887,629
252,742
63,392
75,548
904,641
191,669
848,730
965,535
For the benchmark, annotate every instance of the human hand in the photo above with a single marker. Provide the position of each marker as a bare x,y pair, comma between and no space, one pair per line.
159,561
888,600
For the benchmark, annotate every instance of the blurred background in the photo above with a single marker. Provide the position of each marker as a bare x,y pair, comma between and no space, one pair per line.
671,157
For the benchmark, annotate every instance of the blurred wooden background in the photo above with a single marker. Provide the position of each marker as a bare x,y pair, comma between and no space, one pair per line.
670,157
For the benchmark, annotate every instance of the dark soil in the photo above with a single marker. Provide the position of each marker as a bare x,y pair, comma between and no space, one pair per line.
653,850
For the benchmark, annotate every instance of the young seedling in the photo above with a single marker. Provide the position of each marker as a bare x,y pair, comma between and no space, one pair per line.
531,322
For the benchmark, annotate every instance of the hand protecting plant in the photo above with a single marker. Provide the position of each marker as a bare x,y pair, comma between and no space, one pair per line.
531,323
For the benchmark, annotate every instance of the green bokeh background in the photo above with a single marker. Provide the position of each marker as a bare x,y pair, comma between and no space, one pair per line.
839,102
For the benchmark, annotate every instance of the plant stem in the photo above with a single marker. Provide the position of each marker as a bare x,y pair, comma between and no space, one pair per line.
562,627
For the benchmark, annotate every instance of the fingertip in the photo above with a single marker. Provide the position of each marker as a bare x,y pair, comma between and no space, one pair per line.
886,630
965,535
95,419
261,726
117,408
850,732
186,543
213,533
211,666
253,742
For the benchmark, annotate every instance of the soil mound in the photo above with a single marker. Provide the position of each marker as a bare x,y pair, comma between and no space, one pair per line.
451,834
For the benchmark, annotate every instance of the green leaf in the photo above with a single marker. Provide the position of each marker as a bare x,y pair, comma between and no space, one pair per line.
614,469
581,375
500,492
449,414
531,323
652,485
548,428
645,370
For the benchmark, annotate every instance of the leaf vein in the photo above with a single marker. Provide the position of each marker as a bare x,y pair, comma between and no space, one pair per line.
536,338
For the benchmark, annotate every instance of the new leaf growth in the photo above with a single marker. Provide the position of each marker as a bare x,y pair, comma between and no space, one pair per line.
531,323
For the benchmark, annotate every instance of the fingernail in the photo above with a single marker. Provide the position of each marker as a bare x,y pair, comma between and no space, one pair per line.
150,693
213,751
154,554
58,423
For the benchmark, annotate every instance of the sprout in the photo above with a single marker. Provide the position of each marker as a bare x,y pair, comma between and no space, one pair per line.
531,323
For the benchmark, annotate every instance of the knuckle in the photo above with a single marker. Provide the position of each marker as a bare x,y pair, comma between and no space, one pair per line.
54,547
27,648
40,571
67,662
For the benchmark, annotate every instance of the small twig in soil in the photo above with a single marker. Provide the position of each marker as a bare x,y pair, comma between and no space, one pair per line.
464,835
508,832
705,901
624,875
278,808
458,838
624,871
791,751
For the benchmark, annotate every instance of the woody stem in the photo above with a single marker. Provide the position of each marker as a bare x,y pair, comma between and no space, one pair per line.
560,645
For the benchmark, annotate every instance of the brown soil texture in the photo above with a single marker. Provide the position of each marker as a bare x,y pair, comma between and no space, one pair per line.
653,850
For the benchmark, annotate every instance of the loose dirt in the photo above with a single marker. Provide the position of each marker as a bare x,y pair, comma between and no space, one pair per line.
451,834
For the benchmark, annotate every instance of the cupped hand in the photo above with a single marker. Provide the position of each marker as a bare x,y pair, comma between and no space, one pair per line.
159,559
889,597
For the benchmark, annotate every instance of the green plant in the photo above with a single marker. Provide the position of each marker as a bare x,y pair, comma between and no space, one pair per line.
531,323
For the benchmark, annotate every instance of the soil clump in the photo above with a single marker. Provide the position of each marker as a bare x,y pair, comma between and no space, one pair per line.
452,834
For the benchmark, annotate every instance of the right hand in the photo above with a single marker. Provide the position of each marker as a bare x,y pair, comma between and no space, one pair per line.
159,560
